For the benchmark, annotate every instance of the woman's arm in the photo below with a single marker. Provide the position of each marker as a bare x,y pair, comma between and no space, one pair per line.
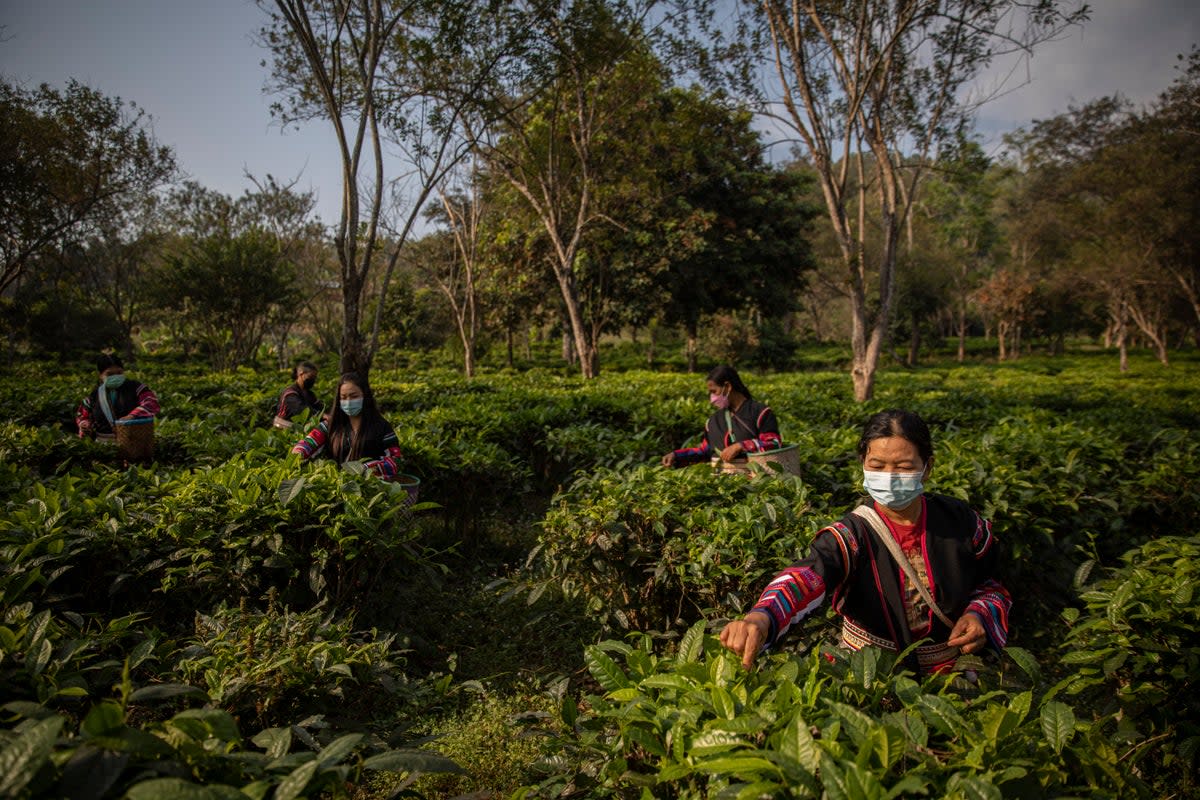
686,456
313,443
387,466
83,416
692,455
147,404
794,594
990,601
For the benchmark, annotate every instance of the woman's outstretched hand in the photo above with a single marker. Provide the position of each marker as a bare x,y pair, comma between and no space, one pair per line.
968,634
747,636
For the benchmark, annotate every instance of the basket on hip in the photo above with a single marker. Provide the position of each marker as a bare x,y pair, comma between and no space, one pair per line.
766,462
135,438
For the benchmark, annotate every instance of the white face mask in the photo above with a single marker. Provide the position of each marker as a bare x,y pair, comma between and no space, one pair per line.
894,489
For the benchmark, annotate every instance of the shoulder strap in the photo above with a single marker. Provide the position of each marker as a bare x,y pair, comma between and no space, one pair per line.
729,420
877,524
102,399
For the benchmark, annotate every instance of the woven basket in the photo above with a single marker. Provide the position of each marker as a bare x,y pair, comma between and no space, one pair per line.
739,466
411,483
135,439
782,459
768,462
412,486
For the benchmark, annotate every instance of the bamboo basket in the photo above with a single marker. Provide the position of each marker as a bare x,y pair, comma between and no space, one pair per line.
412,486
739,466
135,439
787,458
768,462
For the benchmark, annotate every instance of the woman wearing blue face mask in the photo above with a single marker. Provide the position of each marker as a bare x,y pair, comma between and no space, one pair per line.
739,425
905,567
354,431
115,398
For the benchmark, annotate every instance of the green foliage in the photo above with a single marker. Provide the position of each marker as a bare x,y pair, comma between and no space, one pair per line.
693,723
650,548
195,753
253,663
1133,653
227,576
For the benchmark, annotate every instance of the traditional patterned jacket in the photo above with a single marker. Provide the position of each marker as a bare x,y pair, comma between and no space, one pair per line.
375,443
130,399
754,426
952,546
294,400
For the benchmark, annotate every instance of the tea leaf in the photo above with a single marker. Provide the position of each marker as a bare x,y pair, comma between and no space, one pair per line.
605,670
1058,724
21,759
295,783
411,761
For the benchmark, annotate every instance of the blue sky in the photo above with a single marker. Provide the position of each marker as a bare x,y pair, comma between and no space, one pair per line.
193,65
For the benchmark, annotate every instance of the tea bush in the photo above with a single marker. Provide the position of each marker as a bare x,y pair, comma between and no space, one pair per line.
1135,655
653,548
150,613
694,723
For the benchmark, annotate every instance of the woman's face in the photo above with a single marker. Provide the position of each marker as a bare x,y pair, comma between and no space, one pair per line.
717,389
894,454
350,391
113,370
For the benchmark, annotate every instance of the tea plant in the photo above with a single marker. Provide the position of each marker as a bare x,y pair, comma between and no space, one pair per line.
695,724
261,663
1135,654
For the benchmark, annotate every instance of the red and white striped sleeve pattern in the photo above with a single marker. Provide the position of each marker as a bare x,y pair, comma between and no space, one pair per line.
311,444
147,403
794,594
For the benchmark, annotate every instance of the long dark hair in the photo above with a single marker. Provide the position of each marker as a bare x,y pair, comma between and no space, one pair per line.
343,444
897,422
723,374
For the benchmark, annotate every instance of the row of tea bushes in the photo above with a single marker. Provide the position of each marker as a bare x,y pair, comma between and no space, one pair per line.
1120,718
153,618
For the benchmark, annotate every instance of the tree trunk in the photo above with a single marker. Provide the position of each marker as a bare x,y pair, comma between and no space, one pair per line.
1002,337
589,360
962,335
354,352
568,347
914,341
508,343
1122,335
690,347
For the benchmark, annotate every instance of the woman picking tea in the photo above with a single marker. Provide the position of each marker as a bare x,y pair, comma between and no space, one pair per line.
116,399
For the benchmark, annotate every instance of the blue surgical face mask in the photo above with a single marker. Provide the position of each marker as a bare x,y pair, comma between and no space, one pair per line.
352,407
893,489
114,381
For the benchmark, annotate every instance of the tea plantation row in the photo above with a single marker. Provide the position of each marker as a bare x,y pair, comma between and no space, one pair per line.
227,617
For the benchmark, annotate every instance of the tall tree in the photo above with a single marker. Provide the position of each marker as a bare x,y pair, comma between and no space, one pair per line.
73,161
555,130
460,212
871,88
731,229
958,204
364,66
